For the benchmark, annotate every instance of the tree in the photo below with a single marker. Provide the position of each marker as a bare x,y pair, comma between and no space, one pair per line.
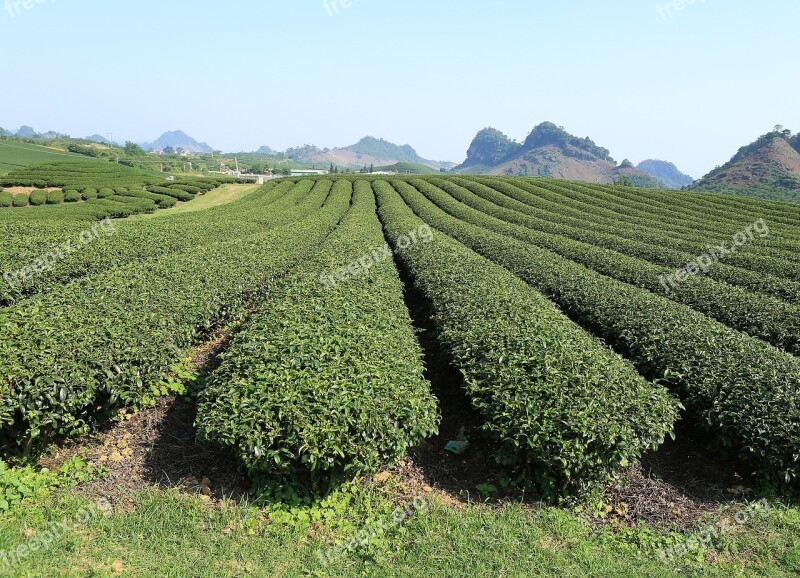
133,150
371,168
169,151
623,181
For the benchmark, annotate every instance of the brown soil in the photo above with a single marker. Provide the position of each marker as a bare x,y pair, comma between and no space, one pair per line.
157,447
28,190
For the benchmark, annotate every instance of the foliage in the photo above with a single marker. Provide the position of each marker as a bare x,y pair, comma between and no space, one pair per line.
99,354
553,397
38,198
325,383
712,367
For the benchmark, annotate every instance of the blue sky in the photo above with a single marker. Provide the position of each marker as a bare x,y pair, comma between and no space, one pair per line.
688,85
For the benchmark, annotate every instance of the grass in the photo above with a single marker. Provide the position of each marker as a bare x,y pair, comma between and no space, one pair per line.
14,155
168,533
214,198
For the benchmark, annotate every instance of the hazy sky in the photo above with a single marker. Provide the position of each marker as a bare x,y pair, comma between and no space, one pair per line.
688,85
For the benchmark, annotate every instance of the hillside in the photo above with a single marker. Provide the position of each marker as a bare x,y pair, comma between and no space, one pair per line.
549,151
177,139
666,172
409,169
15,155
99,139
368,151
769,168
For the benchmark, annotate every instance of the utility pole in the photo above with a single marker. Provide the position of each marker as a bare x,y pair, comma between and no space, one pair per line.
237,164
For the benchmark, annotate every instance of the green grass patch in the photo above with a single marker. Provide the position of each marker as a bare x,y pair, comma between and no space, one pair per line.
171,534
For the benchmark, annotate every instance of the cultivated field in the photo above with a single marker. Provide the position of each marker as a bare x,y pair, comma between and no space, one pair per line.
323,338
16,155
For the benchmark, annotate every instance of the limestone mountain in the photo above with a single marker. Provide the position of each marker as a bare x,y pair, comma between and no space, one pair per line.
549,151
769,168
177,139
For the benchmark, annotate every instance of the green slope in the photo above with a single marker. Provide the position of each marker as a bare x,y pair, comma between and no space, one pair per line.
14,155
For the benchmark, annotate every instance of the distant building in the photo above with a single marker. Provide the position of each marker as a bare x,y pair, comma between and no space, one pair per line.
309,172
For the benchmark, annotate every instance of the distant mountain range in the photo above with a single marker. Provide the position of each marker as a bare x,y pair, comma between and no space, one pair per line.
769,167
29,132
550,151
177,139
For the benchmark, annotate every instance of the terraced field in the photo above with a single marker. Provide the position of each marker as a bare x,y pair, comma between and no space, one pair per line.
559,304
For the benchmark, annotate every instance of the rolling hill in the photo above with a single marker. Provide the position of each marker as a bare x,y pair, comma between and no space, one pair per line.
14,155
409,169
769,168
549,151
368,151
666,172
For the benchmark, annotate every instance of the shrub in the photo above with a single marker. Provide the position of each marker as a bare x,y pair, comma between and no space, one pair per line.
38,198
353,348
187,188
178,194
6,199
89,194
72,196
21,200
55,198
94,354
742,390
554,398
104,193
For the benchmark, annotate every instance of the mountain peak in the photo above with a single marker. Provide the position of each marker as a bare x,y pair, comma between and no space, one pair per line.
768,167
26,132
177,139
384,150
548,151
548,134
